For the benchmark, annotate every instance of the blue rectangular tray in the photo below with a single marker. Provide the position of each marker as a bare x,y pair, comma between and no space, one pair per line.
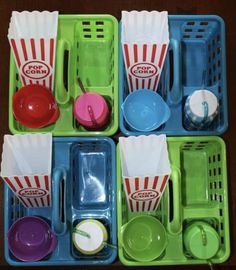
86,168
197,47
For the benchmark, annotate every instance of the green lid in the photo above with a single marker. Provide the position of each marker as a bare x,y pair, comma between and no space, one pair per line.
201,241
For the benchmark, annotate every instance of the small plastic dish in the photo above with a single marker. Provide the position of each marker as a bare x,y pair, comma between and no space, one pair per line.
93,236
145,110
91,111
31,239
144,238
34,106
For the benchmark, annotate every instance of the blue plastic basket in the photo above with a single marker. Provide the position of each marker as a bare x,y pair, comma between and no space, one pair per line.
74,161
196,51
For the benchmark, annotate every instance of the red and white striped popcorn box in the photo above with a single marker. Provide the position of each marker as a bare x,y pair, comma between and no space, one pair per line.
32,37
26,168
144,193
32,190
145,40
145,170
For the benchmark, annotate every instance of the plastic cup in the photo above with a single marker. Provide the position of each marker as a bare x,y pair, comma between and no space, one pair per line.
201,241
31,239
144,238
145,110
34,106
89,236
201,108
91,111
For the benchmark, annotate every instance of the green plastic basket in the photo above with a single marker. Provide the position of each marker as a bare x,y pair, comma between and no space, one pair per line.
196,191
87,46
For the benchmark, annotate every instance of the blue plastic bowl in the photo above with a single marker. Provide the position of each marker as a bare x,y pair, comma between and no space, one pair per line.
145,110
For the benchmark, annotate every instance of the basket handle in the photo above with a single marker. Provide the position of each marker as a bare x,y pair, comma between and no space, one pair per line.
62,94
59,225
175,94
175,226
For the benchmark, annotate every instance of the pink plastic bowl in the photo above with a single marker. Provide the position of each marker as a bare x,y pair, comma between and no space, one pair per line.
91,111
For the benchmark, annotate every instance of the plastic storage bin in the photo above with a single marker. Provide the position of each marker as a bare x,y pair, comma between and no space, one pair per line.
87,165
195,60
87,46
196,191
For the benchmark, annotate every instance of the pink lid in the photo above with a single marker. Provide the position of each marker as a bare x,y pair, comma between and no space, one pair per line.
88,106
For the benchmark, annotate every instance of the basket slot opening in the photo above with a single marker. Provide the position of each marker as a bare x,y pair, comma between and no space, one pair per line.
186,36
199,36
171,61
220,198
65,69
220,184
12,215
87,36
201,30
86,23
221,226
188,30
190,23
221,212
12,201
204,23
99,23
171,214
62,197
99,30
100,36
222,240
87,30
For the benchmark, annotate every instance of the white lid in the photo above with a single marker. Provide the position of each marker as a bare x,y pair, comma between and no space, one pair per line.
96,239
200,96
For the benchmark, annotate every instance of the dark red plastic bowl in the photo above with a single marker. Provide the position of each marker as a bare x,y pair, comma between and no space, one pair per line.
34,106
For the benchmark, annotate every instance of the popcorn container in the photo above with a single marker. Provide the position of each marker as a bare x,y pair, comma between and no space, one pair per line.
145,170
26,168
32,37
145,40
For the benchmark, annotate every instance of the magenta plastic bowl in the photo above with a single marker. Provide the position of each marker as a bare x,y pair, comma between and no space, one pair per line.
31,239
95,119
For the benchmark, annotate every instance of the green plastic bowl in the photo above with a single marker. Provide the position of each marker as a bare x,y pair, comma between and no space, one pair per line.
144,238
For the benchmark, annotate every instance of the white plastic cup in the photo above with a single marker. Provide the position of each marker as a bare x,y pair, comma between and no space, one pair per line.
92,237
200,109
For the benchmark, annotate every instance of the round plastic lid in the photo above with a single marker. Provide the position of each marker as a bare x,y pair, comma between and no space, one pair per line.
198,248
98,235
97,104
200,96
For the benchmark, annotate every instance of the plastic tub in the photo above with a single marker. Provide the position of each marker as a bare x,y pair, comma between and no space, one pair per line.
69,181
87,47
196,191
195,58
